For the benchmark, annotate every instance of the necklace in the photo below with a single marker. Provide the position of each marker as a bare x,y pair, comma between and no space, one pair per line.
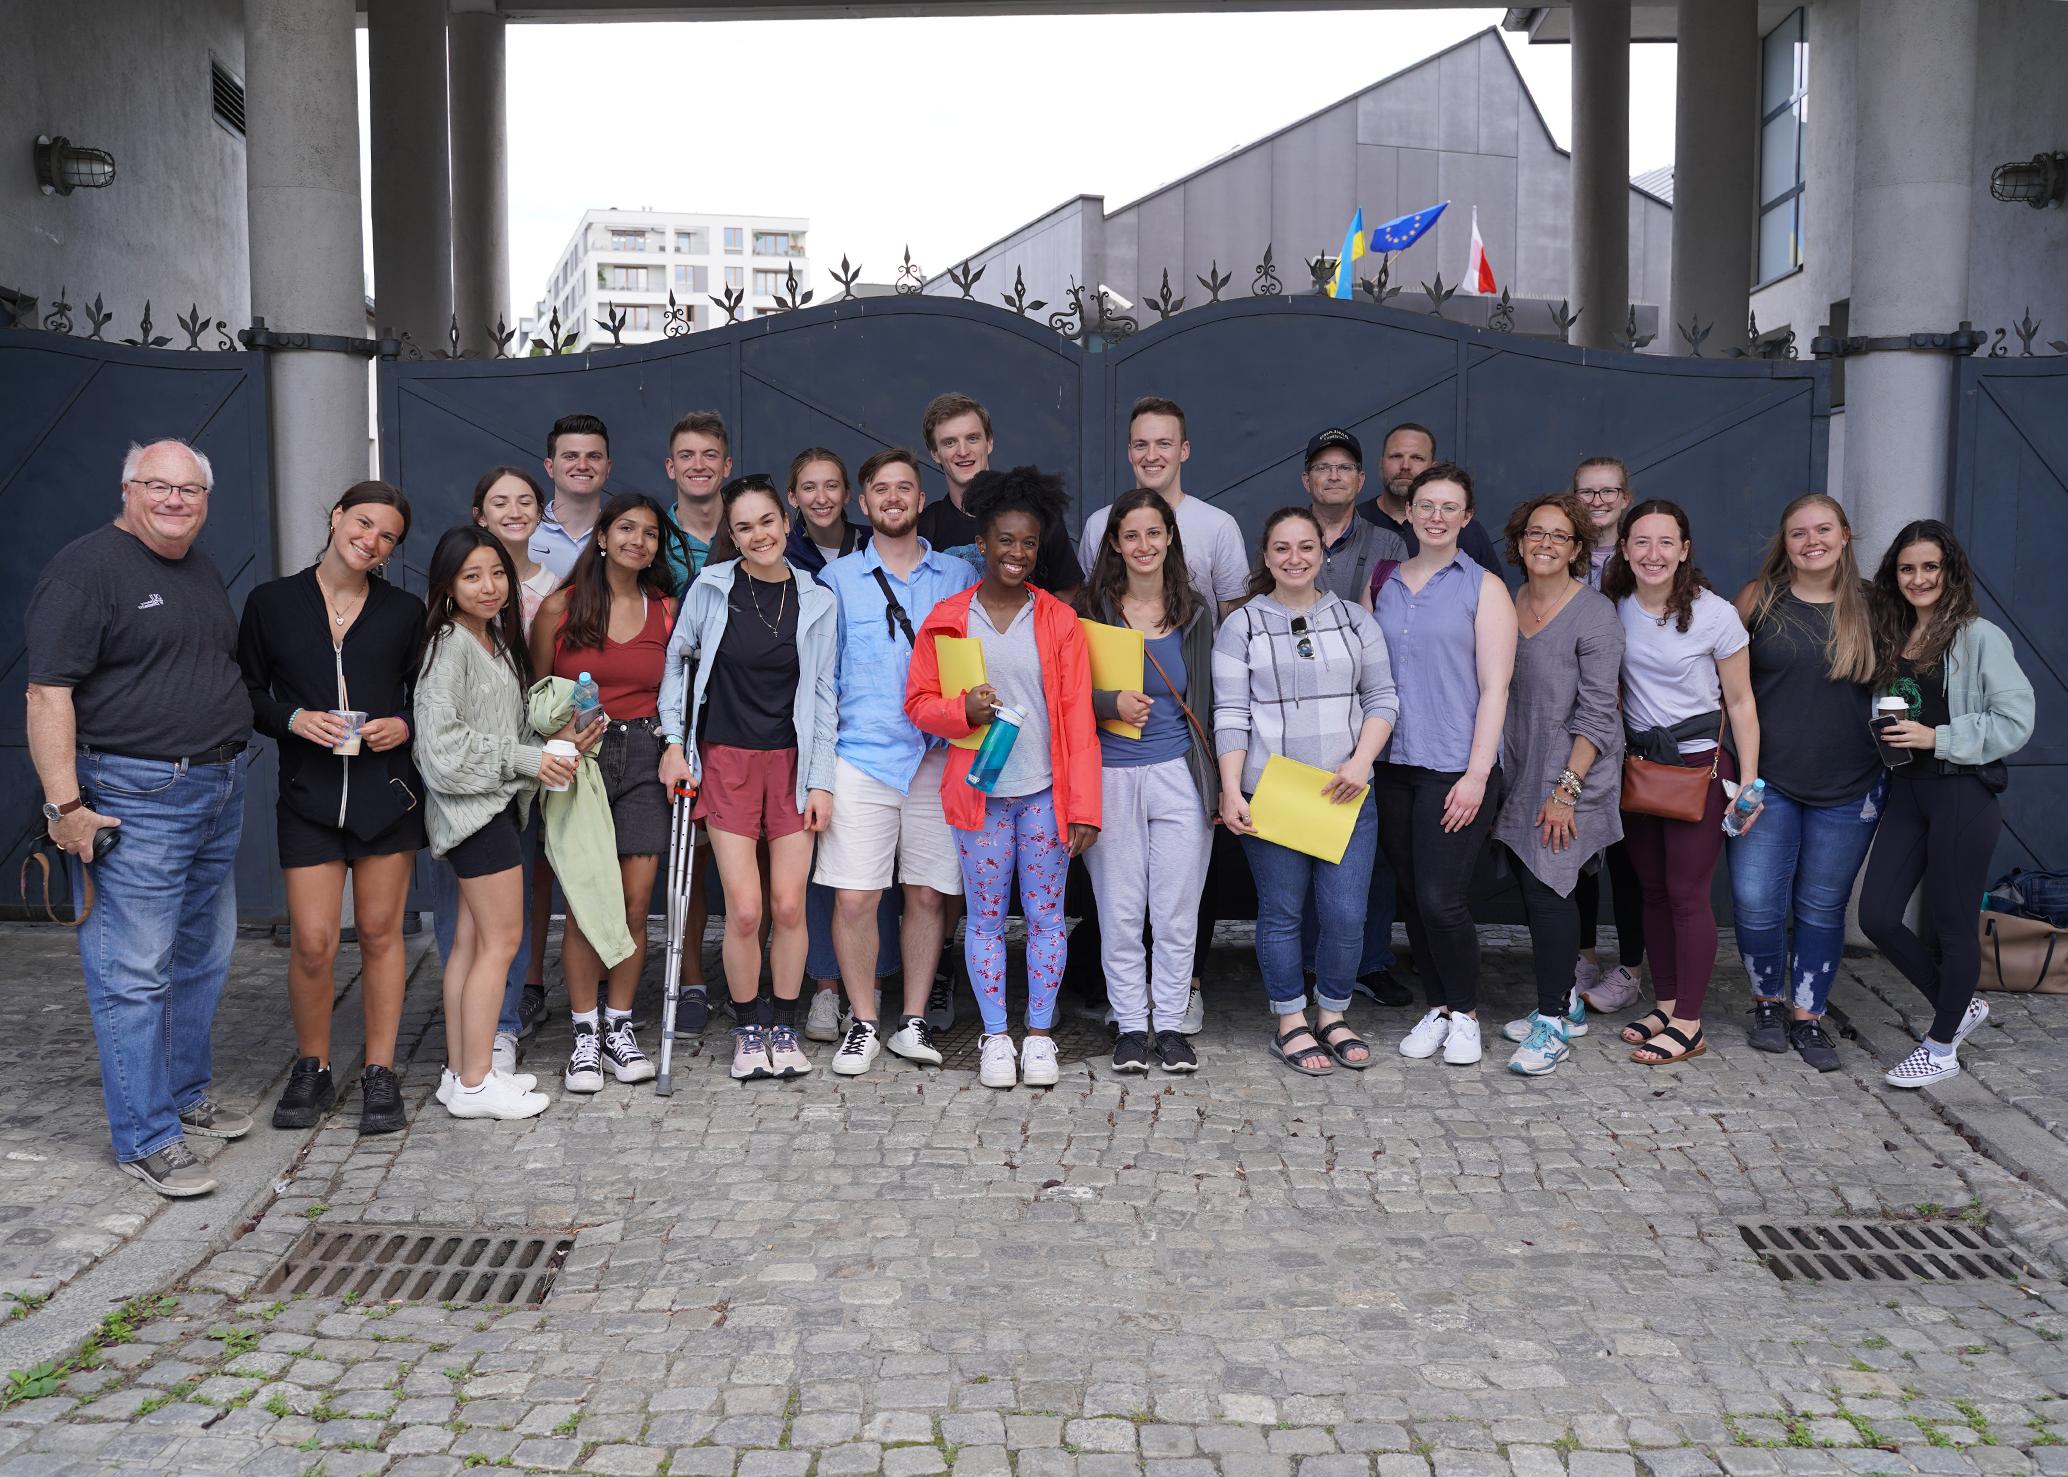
339,617
1542,618
775,627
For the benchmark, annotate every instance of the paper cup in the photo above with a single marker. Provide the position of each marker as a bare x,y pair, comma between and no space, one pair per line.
353,721
566,750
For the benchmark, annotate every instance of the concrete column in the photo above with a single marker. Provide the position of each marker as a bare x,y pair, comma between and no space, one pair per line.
1913,185
1716,131
412,174
480,177
1601,170
301,166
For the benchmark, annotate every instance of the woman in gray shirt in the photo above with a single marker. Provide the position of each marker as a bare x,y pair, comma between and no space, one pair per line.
1562,750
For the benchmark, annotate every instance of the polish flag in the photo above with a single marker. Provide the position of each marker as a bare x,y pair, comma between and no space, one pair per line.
1479,273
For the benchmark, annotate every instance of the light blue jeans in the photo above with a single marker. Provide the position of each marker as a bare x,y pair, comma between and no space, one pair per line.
1341,890
1801,860
156,948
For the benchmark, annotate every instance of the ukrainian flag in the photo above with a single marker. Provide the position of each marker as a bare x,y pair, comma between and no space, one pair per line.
1404,231
1353,248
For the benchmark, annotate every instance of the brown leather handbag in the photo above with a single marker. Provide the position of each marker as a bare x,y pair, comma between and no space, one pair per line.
1673,792
2023,954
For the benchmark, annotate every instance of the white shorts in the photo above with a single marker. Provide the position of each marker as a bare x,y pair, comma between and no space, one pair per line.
873,826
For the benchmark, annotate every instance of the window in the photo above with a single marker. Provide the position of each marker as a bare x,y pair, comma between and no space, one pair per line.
628,279
732,239
692,279
1783,112
733,277
768,284
627,240
779,243
693,243
639,316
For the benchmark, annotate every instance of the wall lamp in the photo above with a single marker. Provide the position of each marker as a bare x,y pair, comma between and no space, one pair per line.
2038,182
63,166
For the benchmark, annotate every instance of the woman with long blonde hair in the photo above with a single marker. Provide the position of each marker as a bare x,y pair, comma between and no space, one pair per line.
1813,660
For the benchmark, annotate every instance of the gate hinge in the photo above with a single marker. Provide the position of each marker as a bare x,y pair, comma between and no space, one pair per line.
258,336
1963,340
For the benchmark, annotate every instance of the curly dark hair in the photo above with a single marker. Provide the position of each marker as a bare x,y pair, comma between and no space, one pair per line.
1895,618
1575,514
1107,581
1028,490
1619,579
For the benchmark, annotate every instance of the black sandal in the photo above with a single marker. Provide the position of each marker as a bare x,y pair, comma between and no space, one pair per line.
1644,1032
1310,1061
1690,1048
1327,1036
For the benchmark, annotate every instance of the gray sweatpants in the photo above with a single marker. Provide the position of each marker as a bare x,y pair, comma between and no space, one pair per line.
1149,864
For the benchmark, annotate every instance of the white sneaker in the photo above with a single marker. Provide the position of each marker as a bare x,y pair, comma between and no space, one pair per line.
446,1083
496,1097
858,1051
822,1021
1977,1012
1921,1068
1575,1018
1001,1064
585,1063
1038,1066
1429,1033
1547,1044
1461,1046
913,1040
504,1057
1586,972
1195,1014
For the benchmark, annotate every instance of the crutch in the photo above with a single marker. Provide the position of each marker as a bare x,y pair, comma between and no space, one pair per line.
682,845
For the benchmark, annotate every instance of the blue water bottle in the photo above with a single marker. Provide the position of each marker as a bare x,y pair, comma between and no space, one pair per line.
997,746
588,702
1741,809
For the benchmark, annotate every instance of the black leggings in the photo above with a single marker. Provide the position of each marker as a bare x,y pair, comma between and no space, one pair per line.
1434,868
1939,829
1625,894
1554,938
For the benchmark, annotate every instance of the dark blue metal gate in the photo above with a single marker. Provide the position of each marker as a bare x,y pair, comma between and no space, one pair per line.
74,406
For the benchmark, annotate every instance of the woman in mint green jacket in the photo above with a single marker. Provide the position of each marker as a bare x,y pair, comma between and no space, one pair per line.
1968,708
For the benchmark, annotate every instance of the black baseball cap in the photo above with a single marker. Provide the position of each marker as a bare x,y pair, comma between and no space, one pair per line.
1320,441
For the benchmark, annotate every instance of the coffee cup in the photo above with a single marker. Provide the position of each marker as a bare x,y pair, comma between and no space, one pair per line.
353,721
566,750
1890,709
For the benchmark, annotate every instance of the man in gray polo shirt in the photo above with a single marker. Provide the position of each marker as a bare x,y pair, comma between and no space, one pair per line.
1352,546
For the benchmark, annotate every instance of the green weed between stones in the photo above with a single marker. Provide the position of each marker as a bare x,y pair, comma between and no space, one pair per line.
118,1327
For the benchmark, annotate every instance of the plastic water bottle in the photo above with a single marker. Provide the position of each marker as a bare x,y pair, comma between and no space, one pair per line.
588,702
1741,809
992,753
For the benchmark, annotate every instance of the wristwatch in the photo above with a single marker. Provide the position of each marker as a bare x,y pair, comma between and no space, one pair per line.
52,814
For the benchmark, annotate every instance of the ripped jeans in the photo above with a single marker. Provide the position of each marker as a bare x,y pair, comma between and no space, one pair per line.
1799,859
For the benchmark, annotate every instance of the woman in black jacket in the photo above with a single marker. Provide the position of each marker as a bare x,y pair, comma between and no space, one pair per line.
327,655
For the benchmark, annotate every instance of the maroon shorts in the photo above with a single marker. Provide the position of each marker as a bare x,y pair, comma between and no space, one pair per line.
749,792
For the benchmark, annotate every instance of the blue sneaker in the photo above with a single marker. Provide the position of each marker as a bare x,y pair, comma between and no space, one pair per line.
1543,1049
1575,1019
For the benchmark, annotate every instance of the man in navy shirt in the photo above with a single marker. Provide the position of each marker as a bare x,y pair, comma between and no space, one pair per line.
1410,449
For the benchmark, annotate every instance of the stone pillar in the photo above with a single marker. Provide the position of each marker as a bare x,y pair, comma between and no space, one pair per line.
480,177
1716,131
301,168
1601,170
1913,188
412,176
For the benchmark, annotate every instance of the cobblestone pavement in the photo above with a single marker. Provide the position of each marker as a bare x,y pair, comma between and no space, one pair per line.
1417,1271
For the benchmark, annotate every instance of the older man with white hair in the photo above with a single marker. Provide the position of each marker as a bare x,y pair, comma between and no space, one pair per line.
138,721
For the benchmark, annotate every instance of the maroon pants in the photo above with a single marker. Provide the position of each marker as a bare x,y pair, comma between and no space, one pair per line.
1676,862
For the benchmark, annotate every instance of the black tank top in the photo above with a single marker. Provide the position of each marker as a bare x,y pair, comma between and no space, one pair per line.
1814,742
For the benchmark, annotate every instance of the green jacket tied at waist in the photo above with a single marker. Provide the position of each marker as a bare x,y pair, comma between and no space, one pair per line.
581,838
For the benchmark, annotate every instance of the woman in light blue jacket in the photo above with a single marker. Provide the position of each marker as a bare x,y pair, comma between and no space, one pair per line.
1968,707
758,744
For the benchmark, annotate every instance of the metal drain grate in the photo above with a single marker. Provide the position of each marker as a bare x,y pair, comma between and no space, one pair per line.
1879,1251
420,1264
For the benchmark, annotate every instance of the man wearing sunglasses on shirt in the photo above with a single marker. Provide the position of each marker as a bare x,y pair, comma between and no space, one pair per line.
887,774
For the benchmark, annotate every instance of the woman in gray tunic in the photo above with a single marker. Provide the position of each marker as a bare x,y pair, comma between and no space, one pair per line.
1562,750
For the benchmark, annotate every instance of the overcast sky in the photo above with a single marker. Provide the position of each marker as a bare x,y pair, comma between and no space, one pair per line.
946,134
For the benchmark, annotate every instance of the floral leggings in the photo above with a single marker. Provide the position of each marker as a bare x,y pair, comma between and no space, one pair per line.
1019,832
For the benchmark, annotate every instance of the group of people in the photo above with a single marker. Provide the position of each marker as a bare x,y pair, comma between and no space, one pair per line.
579,660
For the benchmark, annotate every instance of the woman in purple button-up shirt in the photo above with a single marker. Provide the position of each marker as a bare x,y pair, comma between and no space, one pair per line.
1450,627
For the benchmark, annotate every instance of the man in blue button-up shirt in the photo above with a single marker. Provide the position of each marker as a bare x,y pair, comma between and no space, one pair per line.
887,774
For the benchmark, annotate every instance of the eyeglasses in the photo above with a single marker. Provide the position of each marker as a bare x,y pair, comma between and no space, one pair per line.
1303,643
1556,537
1439,510
1599,494
1334,469
752,482
191,492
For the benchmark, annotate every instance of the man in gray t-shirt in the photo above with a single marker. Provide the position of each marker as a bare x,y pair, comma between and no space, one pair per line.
1353,547
138,720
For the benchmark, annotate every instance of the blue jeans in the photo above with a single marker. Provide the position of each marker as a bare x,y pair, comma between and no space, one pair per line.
156,948
820,962
445,913
1801,859
1378,923
1285,879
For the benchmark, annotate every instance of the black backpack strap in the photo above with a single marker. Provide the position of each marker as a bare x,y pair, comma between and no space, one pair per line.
893,611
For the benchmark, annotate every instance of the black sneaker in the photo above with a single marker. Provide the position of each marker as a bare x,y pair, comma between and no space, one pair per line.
692,1011
308,1096
380,1101
622,1055
531,1010
1813,1044
940,1003
1174,1053
1131,1052
1383,989
1769,1029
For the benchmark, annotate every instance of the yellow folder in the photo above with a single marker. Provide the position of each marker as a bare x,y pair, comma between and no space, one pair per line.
1117,665
962,667
1289,808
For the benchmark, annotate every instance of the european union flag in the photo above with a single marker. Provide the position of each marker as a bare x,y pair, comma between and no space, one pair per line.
1404,231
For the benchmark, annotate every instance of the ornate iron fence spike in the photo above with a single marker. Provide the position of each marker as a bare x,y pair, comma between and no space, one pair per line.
1214,280
1266,283
144,338
410,351
1017,299
1694,331
730,300
502,333
613,323
1500,318
99,317
1630,338
1163,302
59,318
847,277
965,279
1323,270
1378,288
1438,294
790,299
675,318
1563,318
2058,345
2027,329
1996,348
909,279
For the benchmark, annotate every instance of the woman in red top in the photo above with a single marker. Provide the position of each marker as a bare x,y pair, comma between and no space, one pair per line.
611,619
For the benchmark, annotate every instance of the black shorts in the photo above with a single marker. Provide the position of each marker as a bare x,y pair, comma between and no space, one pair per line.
630,761
307,843
492,849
